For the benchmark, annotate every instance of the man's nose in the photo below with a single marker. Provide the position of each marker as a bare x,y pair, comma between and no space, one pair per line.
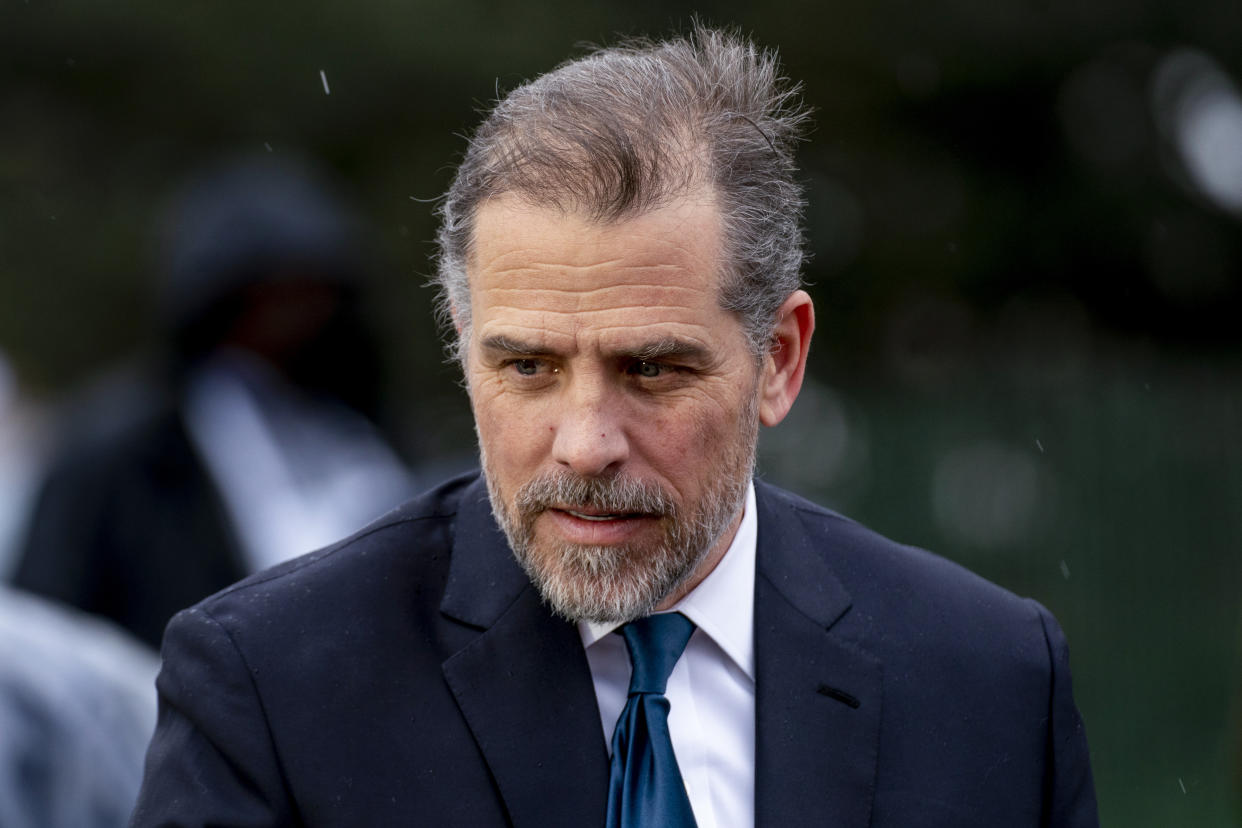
590,437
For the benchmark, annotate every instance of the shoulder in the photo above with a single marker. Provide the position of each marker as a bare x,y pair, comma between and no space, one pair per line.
966,665
906,599
402,555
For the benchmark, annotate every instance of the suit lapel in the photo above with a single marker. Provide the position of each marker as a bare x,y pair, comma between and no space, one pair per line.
523,685
817,696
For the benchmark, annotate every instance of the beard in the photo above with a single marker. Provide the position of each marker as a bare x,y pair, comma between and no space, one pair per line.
615,584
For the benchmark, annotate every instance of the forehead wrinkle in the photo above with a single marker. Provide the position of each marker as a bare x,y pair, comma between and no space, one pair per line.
596,236
628,245
614,340
520,244
595,300
539,265
582,278
524,322
570,321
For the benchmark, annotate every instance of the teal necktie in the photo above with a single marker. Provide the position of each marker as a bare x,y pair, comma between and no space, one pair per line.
645,789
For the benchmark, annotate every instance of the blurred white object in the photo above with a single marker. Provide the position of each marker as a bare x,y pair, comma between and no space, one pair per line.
23,433
77,707
1199,110
295,473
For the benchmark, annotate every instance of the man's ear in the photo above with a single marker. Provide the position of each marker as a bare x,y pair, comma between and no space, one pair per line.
785,362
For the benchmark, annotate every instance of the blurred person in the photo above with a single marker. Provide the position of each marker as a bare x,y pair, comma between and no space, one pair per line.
76,711
614,623
259,442
24,424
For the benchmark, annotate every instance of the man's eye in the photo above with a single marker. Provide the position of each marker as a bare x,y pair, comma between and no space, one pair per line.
651,370
526,367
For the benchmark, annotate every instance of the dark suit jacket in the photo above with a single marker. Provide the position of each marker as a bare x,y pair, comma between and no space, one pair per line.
411,676
128,525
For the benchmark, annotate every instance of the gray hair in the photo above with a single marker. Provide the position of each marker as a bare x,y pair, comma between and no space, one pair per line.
629,128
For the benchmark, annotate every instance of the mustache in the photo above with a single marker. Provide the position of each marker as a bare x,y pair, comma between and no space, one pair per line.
617,494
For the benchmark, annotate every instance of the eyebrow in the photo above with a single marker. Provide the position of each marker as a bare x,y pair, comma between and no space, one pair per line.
504,344
659,349
670,348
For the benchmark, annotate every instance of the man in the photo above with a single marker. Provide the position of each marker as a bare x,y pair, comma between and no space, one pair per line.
619,258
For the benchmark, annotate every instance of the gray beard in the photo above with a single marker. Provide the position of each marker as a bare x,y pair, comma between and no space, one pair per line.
616,584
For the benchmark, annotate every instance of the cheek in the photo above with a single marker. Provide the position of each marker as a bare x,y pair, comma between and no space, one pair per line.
697,443
517,440
675,441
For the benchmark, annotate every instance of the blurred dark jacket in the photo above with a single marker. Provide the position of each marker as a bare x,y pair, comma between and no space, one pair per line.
157,498
129,526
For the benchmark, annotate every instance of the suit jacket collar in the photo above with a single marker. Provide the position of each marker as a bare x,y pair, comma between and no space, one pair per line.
817,696
525,688
484,578
523,684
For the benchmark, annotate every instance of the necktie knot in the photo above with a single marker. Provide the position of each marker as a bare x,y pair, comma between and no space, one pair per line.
645,786
655,643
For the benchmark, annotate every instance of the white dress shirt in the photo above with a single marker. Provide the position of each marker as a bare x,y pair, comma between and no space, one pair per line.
711,691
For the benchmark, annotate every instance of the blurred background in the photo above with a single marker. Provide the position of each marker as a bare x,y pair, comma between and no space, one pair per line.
1025,220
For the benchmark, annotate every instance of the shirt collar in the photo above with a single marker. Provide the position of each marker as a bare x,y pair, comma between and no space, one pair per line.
723,604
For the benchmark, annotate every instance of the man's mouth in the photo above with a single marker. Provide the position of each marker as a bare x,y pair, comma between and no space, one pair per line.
595,524
594,515
599,516
584,516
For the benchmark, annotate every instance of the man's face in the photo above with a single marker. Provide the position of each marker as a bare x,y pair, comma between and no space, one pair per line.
615,401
